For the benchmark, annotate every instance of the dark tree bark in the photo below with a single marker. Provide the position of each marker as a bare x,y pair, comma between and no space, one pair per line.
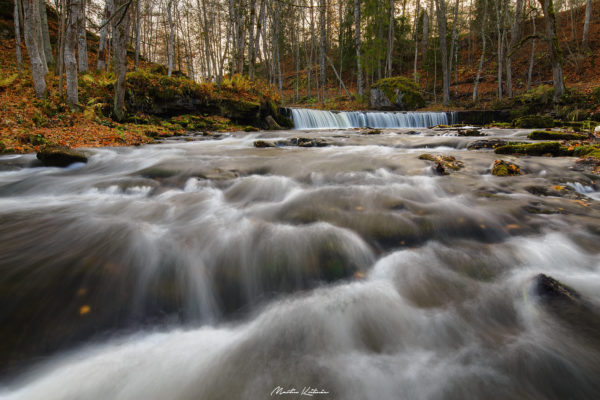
515,35
554,48
442,31
17,18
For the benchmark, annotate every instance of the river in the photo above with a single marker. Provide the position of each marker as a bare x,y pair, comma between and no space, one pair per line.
206,268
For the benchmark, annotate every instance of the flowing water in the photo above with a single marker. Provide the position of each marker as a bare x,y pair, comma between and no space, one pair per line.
322,119
211,269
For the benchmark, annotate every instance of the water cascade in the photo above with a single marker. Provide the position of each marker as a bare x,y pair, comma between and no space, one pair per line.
318,119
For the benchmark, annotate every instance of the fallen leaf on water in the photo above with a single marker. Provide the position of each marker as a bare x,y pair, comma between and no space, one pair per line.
84,309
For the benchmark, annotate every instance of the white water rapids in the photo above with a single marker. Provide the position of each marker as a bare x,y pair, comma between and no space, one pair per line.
212,269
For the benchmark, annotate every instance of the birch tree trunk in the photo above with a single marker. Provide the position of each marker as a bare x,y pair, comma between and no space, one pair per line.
46,34
82,56
69,52
554,48
32,34
108,9
359,79
120,33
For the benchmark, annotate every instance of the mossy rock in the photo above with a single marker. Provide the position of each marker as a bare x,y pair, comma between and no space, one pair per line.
588,151
159,69
400,92
54,156
532,149
553,135
504,168
534,121
443,163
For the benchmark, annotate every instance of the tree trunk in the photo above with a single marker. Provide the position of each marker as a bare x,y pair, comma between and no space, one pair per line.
554,48
17,18
171,36
442,31
120,34
454,34
390,50
46,34
425,37
482,58
82,56
532,55
586,25
251,38
137,34
322,10
515,35
416,77
108,9
32,34
69,52
499,46
359,78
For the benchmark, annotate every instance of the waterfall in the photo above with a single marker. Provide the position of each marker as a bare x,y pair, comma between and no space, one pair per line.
318,119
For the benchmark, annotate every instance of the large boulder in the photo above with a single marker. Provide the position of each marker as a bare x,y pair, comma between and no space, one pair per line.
55,156
397,93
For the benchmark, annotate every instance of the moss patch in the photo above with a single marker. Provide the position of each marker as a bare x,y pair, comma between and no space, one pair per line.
534,121
531,149
552,135
504,168
401,91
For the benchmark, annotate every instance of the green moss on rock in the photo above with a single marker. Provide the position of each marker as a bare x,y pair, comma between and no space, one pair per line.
401,92
553,135
504,168
531,149
534,121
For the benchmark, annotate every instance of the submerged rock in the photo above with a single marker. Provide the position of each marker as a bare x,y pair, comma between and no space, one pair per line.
575,311
444,164
470,132
505,168
303,142
263,144
60,156
486,144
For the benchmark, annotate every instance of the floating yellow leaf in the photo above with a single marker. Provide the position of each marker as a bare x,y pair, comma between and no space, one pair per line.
84,309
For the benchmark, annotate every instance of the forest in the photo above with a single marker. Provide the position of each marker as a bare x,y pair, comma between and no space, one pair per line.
463,53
